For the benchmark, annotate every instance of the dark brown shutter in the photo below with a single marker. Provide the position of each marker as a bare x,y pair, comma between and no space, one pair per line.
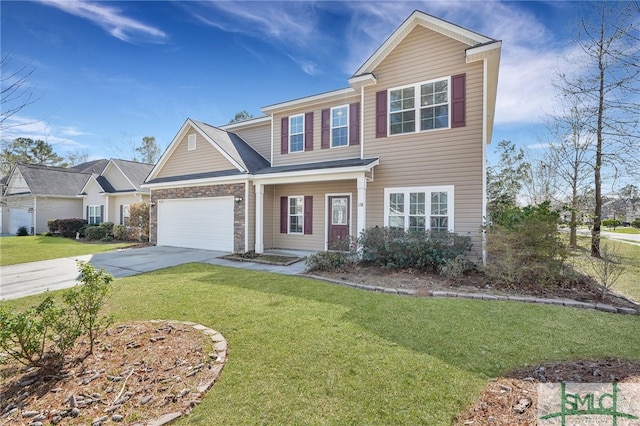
284,135
354,124
381,114
308,131
101,215
308,214
284,214
121,214
458,100
326,129
87,214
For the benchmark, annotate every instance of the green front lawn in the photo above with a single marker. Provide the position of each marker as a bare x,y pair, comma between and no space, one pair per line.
620,230
33,248
306,352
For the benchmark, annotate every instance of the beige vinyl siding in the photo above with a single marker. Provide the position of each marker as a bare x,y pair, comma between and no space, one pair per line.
318,154
50,208
315,241
113,214
258,137
205,158
432,158
93,197
118,180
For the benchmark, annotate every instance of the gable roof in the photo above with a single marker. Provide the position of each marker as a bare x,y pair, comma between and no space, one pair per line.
238,152
95,166
134,172
52,181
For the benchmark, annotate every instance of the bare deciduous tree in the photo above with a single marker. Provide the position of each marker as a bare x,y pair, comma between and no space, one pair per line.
607,82
16,92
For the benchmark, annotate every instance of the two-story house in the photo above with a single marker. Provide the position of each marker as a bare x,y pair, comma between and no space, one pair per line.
402,146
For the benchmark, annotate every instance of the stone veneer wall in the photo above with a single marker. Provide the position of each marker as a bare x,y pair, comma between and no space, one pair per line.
209,191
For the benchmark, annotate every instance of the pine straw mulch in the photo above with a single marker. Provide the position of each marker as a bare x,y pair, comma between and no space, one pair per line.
138,372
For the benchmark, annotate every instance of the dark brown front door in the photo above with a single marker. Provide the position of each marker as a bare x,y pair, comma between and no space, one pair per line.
338,221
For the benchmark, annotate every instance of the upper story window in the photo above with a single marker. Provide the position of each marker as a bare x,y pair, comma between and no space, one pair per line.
340,126
296,133
431,111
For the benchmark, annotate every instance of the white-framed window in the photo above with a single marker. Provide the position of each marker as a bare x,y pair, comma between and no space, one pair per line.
419,107
340,126
296,214
419,208
94,215
296,133
126,215
191,142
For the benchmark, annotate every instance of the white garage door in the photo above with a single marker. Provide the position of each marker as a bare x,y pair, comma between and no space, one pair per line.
18,218
196,223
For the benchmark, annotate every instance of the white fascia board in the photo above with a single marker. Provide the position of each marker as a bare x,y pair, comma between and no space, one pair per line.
195,182
120,170
84,188
297,103
246,123
478,53
319,175
363,80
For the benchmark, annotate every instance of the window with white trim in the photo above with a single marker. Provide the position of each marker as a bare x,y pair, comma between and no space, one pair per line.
340,126
296,133
419,208
431,111
191,142
126,215
296,215
94,215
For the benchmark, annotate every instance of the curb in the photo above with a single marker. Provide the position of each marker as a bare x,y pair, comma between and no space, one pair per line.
482,296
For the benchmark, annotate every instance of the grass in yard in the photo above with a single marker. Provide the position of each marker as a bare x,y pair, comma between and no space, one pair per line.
623,230
629,282
307,352
33,248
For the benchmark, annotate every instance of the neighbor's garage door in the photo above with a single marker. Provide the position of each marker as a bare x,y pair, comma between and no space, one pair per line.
196,223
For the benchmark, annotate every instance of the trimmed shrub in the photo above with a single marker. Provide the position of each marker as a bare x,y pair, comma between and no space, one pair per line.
108,228
611,223
636,223
139,218
120,232
524,246
69,227
94,233
22,231
423,250
330,261
53,226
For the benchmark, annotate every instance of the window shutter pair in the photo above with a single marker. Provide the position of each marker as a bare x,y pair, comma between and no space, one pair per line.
354,126
458,106
308,133
308,215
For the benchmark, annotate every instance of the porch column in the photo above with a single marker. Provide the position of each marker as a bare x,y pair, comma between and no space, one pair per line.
259,218
362,205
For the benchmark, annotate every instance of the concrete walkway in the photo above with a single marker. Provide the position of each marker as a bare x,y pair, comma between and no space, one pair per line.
36,277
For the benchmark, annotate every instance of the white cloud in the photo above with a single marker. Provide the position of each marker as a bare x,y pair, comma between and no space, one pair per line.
62,138
110,19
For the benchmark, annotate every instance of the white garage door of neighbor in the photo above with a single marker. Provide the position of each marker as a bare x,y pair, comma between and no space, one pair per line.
196,223
18,218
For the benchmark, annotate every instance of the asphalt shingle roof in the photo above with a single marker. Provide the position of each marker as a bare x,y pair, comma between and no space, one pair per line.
46,180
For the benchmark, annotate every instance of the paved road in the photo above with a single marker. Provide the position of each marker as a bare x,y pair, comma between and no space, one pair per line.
36,277
627,238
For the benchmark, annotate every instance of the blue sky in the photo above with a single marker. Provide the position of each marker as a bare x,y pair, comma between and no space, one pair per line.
106,74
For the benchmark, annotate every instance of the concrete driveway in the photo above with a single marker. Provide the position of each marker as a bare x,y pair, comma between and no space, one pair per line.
36,277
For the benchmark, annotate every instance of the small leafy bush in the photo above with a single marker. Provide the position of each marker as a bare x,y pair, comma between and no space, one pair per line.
94,233
524,246
108,228
139,218
22,231
46,329
399,249
53,226
611,223
68,228
636,223
120,232
329,261
456,267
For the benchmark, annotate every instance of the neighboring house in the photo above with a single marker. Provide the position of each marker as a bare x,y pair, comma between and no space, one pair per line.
98,191
36,194
402,146
106,196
